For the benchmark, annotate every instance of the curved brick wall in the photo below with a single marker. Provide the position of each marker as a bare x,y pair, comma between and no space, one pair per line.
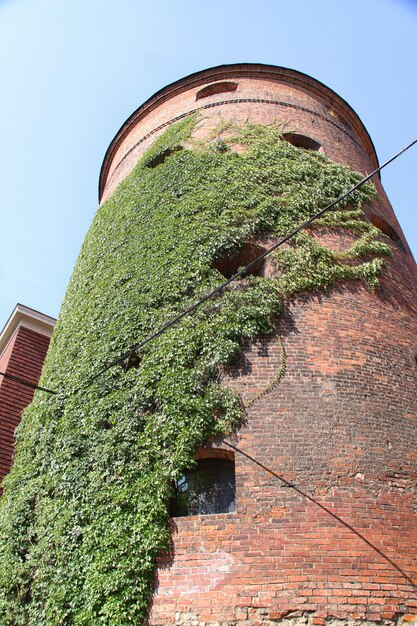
336,540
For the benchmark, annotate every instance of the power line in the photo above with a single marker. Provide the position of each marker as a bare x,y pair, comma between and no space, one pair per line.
26,383
324,508
211,294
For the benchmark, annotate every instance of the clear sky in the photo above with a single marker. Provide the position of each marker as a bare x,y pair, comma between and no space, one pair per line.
72,72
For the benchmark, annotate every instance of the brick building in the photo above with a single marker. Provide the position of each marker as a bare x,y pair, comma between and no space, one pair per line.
24,342
320,520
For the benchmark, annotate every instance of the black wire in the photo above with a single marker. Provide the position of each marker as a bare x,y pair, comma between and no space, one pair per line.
193,307
26,383
324,508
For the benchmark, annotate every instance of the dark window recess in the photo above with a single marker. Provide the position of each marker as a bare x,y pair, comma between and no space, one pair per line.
133,360
211,90
209,488
229,263
162,156
388,230
301,141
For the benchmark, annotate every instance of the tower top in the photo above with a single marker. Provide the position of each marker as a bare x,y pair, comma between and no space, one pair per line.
336,106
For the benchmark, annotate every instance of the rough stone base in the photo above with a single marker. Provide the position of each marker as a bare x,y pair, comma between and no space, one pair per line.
266,617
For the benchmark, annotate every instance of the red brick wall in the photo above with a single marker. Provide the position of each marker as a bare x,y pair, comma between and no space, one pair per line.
339,542
340,427
256,99
264,94
23,357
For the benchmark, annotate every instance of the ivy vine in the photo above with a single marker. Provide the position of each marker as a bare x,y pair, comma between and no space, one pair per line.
84,513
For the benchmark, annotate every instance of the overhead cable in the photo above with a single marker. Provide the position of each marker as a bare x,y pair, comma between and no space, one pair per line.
26,383
140,344
324,508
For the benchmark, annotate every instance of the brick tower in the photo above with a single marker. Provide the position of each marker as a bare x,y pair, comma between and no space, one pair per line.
336,538
306,513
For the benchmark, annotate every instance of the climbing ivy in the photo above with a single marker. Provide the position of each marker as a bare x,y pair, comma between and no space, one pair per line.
84,513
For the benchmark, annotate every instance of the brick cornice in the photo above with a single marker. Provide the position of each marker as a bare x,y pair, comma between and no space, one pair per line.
240,70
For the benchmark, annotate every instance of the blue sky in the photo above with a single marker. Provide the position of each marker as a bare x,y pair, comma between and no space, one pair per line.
72,72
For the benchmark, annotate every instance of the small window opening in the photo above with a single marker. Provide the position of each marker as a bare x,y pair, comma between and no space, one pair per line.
133,360
211,90
208,489
162,156
229,263
388,230
301,141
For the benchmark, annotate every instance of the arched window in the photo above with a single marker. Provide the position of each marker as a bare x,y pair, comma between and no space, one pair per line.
387,229
214,88
228,264
162,156
208,488
302,141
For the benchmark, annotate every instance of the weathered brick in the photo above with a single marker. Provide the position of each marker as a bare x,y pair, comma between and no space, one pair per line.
340,426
